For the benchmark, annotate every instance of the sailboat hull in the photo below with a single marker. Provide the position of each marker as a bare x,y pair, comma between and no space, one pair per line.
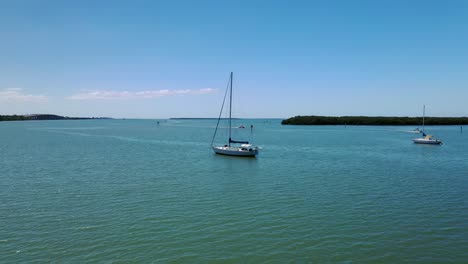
427,141
236,151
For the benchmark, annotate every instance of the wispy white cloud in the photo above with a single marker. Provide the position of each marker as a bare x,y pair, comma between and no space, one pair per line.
112,94
18,95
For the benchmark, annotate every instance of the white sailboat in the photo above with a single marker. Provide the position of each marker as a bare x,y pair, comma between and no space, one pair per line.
426,139
233,147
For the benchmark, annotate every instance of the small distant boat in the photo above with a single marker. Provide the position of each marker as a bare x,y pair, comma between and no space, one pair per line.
232,148
416,131
241,126
426,139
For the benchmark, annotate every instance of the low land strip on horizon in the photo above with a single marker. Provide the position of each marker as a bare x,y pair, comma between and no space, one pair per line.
43,117
374,120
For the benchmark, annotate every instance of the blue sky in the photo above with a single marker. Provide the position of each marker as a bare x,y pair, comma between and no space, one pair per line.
158,59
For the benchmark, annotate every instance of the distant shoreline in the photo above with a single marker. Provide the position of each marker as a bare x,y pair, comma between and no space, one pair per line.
374,121
44,117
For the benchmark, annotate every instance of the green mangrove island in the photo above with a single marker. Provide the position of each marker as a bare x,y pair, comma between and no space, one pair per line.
43,117
374,120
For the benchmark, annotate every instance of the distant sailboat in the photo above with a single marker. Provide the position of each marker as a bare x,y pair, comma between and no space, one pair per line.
233,147
426,139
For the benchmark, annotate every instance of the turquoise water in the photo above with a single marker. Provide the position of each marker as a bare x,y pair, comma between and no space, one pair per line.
133,191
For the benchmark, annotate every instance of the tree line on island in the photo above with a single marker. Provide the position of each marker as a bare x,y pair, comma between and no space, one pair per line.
374,120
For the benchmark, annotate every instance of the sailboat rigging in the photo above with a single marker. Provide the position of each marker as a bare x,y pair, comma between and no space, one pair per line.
245,149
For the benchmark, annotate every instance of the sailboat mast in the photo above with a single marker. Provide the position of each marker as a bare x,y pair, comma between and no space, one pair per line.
230,111
424,114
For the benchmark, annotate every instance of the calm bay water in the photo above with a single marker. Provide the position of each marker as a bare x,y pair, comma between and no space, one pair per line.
130,190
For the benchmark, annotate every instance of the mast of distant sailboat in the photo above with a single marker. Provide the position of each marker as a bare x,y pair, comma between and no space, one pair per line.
424,114
230,111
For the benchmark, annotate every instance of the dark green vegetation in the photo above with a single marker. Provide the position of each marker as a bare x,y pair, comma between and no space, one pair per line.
42,117
373,120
